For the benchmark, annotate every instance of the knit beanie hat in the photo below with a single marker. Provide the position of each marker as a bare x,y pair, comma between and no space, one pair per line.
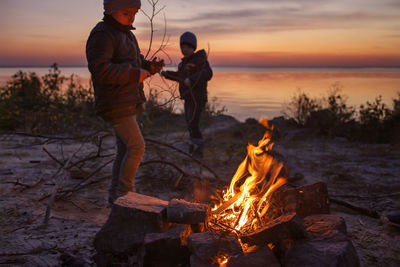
189,38
114,5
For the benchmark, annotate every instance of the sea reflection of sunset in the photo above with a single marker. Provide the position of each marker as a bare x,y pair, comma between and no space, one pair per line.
260,92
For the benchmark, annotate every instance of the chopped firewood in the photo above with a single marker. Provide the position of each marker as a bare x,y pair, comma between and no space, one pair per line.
285,226
207,245
304,200
321,224
132,216
181,211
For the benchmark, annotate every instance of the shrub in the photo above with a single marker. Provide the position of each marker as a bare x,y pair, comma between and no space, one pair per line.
331,116
337,104
301,106
43,104
335,117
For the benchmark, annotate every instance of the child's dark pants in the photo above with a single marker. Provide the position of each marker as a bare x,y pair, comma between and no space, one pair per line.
193,110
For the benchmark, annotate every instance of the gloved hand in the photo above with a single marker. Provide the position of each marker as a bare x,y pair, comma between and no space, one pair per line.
156,66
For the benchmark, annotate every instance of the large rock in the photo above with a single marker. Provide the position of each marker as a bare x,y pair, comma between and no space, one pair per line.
181,211
165,249
287,226
131,217
257,256
304,200
326,244
197,262
207,246
333,250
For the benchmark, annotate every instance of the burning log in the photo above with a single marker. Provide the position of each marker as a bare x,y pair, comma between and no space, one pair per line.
164,249
209,246
132,216
181,211
304,200
284,227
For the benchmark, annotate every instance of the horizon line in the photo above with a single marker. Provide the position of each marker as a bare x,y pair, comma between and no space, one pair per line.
221,66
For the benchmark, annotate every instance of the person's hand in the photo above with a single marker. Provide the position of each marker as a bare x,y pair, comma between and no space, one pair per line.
187,82
144,74
156,66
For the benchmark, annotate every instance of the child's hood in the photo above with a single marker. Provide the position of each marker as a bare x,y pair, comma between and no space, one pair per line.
199,56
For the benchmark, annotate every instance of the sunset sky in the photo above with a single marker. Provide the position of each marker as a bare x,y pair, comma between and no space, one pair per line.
308,33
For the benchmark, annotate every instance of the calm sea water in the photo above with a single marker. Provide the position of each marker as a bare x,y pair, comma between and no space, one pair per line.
265,92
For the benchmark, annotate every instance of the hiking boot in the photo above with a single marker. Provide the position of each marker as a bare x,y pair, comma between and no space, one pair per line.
393,218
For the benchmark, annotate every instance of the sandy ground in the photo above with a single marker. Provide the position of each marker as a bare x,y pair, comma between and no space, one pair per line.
362,174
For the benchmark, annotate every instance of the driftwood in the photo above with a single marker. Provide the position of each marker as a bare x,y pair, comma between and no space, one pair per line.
53,137
63,176
362,210
184,153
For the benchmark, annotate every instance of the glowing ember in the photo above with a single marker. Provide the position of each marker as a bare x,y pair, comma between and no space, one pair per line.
222,260
243,207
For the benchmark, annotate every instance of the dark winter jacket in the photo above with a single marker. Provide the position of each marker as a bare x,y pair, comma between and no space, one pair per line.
114,60
198,70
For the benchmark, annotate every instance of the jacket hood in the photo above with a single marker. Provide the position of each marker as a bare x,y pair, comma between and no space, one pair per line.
199,55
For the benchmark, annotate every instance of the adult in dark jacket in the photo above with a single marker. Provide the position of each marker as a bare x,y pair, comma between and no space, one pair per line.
118,71
193,74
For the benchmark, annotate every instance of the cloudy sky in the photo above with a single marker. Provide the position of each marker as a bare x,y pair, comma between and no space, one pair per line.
251,33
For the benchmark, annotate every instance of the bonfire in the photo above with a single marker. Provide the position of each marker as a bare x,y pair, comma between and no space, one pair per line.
244,206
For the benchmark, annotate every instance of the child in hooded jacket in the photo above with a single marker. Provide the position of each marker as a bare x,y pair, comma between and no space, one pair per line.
118,70
193,74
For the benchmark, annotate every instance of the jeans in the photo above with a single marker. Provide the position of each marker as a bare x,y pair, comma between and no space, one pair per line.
130,150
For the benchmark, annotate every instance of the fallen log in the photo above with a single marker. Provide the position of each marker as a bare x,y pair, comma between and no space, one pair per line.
364,211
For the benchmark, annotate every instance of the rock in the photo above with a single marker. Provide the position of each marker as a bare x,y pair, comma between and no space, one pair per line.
326,245
304,200
67,259
181,211
334,250
164,249
257,256
196,262
288,226
207,246
132,216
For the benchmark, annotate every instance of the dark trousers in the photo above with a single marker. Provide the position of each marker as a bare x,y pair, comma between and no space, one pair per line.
193,110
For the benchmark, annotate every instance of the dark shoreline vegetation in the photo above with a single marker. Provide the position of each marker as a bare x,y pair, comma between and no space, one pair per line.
55,103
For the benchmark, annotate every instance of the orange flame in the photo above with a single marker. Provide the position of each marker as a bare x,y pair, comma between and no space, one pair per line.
222,260
245,203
